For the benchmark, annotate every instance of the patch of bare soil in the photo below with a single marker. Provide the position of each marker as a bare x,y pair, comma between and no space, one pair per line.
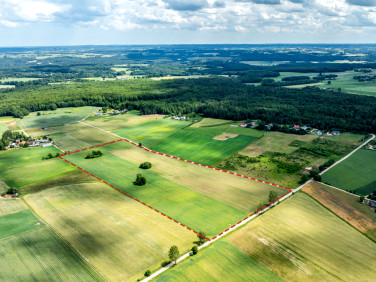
224,136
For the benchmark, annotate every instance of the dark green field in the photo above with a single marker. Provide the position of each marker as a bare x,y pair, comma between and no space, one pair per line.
357,173
198,145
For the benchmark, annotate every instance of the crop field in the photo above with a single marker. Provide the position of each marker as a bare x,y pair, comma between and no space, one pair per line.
355,173
153,131
25,166
54,118
110,229
77,136
346,206
197,211
17,223
221,261
208,122
198,145
41,255
11,206
3,128
300,240
243,194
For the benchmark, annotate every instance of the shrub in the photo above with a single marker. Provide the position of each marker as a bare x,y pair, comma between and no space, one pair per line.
304,179
145,165
94,154
194,250
140,180
147,273
12,191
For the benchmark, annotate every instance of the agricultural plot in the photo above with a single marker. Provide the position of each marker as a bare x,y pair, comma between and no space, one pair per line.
346,206
221,261
17,223
31,251
212,202
303,241
357,173
58,117
197,144
41,255
151,132
28,164
110,229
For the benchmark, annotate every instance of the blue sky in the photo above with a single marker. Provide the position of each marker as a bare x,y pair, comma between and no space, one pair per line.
77,22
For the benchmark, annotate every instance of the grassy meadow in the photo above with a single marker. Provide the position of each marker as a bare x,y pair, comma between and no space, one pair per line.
119,236
300,240
221,261
25,166
355,173
346,206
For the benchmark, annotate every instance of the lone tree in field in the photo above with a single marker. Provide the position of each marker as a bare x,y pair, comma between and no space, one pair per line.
272,196
145,165
194,250
201,237
174,253
140,180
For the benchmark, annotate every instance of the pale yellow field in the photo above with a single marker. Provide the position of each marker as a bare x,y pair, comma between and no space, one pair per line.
300,240
211,122
239,192
11,205
119,236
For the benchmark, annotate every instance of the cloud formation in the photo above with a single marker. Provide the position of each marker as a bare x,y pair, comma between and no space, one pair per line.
257,17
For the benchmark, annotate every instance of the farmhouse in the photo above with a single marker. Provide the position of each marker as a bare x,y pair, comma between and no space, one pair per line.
47,145
243,124
336,132
296,126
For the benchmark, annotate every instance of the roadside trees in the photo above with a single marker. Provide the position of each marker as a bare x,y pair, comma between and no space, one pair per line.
174,253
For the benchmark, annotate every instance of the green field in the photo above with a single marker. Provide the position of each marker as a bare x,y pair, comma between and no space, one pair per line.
355,173
25,166
41,256
152,131
17,223
221,261
3,128
346,82
120,237
300,240
54,118
198,145
193,209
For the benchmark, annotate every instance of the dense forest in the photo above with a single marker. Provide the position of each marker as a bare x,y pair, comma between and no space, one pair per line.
215,97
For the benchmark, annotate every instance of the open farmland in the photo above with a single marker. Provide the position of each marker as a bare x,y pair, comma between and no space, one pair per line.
28,164
300,240
357,173
346,206
197,144
151,132
31,251
54,118
110,229
189,207
219,262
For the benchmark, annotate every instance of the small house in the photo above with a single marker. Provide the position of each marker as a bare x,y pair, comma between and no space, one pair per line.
319,132
336,132
296,126
243,124
372,203
44,128
183,118
98,114
175,117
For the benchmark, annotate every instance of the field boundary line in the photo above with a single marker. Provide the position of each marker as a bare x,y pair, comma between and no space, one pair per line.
85,259
333,187
348,155
241,222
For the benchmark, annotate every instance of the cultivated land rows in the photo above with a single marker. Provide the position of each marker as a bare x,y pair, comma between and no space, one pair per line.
176,158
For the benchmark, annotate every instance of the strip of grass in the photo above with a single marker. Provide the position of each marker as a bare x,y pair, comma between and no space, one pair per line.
19,222
41,256
222,261
198,145
193,209
23,167
120,237
153,131
355,173
300,240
